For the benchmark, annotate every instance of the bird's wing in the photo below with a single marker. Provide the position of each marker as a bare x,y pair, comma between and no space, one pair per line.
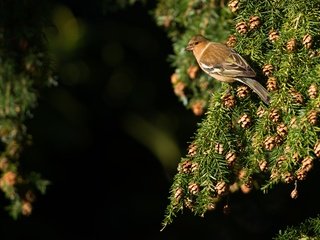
235,65
211,68
214,61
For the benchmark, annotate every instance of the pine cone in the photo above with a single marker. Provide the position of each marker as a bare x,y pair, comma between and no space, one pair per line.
198,107
307,163
192,71
246,188
218,148
221,188
192,149
242,91
242,27
280,161
287,177
263,165
274,115
185,166
272,84
313,117
291,45
174,78
294,194
261,111
269,143
267,69
178,194
282,129
313,91
301,174
231,42
297,97
228,100
244,120
26,208
317,149
231,158
233,5
307,41
193,188
273,35
179,89
8,179
194,167
254,22
246,181
278,139
274,174
188,203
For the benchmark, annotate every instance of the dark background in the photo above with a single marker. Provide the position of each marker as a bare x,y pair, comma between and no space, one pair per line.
93,136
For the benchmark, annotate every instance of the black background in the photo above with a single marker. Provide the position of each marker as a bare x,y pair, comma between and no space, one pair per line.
105,183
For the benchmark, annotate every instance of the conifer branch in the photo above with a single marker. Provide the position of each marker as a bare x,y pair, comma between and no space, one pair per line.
309,229
241,143
25,69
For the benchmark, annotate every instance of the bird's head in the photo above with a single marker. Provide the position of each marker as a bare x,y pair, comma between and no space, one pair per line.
194,41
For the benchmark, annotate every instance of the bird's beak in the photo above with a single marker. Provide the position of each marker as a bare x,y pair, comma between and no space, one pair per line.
189,48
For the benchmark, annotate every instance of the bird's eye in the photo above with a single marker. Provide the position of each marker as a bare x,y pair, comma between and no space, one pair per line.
196,43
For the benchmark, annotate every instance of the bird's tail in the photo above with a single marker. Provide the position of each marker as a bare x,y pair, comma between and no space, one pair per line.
257,88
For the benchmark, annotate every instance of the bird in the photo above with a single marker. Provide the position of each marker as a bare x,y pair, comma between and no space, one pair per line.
225,64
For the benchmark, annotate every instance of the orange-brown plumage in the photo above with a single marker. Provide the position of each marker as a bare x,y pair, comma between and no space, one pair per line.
224,64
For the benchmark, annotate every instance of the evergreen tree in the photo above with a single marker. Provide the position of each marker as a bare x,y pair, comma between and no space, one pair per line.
242,144
24,69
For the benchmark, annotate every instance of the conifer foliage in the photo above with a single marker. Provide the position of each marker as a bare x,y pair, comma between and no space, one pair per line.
242,144
24,68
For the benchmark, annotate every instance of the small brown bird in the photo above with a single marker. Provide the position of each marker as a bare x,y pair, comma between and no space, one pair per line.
225,64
